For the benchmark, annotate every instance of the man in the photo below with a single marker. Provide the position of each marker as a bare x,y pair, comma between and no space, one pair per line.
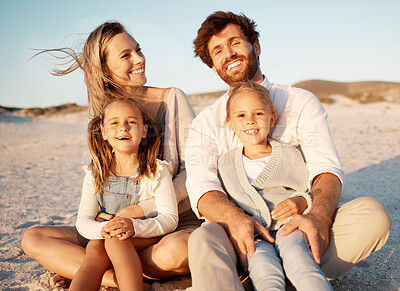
338,238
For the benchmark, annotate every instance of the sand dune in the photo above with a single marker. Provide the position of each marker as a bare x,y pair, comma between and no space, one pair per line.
363,92
41,177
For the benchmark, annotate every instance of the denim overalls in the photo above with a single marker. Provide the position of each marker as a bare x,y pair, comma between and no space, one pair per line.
118,193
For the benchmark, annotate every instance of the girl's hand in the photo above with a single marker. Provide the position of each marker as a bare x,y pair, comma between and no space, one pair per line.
104,217
132,211
289,207
120,227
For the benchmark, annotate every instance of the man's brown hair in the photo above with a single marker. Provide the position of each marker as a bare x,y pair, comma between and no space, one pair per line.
214,24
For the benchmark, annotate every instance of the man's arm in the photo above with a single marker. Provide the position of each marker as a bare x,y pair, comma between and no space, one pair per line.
323,163
216,207
326,189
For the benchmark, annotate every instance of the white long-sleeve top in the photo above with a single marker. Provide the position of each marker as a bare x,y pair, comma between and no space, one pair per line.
159,191
302,122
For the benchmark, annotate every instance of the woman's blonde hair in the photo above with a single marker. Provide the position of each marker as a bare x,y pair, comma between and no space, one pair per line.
249,87
101,88
102,152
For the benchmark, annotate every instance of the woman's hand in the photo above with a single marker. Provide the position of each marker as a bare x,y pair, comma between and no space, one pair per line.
120,227
103,217
132,211
289,207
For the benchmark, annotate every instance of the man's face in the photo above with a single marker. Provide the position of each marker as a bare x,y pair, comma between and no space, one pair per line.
234,58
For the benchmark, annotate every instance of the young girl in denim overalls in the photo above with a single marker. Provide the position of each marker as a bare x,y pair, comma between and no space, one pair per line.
269,180
124,171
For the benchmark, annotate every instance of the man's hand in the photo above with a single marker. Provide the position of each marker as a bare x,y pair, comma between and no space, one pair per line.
241,231
132,211
325,190
240,227
315,230
289,207
120,227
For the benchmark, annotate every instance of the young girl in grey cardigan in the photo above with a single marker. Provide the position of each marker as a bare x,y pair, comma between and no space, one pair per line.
268,180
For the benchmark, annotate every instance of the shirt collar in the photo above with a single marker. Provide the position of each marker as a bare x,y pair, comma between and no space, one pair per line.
266,83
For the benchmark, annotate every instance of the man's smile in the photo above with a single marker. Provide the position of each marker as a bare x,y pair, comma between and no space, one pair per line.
233,65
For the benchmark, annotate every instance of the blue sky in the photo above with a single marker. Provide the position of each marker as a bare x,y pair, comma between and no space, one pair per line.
331,40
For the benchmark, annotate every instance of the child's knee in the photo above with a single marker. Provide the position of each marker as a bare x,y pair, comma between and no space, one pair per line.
295,242
96,248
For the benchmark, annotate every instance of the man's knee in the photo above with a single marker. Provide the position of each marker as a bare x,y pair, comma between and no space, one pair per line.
376,220
361,227
370,217
212,259
206,236
210,240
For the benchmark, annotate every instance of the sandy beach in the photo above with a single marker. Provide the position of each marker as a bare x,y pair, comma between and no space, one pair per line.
41,176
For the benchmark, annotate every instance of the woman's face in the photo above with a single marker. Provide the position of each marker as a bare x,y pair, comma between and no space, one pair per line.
125,61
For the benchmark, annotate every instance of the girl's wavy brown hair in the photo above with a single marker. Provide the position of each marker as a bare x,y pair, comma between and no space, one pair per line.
102,153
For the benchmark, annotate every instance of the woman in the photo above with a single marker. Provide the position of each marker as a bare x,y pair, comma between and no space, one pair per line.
114,67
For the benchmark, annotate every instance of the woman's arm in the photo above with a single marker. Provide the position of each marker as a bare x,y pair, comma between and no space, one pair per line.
183,116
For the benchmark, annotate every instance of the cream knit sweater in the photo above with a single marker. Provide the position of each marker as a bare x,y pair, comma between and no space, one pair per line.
285,175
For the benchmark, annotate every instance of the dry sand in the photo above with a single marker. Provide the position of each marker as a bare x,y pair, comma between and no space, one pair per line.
41,177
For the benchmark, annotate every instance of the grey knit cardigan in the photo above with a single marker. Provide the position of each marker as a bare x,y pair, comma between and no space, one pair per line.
285,175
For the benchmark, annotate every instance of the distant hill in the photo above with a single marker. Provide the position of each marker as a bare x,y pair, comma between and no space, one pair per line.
363,92
209,95
47,111
8,109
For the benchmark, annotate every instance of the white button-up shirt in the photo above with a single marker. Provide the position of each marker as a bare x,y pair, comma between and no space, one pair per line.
302,122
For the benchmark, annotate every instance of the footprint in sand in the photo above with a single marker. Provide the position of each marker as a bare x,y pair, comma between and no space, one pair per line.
11,254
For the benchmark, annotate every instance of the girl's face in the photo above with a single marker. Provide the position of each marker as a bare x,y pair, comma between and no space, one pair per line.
250,119
125,61
123,127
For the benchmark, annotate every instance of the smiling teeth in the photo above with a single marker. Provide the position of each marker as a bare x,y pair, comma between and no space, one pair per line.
251,131
138,71
235,64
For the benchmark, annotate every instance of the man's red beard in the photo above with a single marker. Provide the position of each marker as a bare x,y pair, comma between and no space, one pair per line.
250,70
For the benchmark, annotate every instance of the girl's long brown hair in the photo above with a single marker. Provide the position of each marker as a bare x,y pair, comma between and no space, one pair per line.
102,154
